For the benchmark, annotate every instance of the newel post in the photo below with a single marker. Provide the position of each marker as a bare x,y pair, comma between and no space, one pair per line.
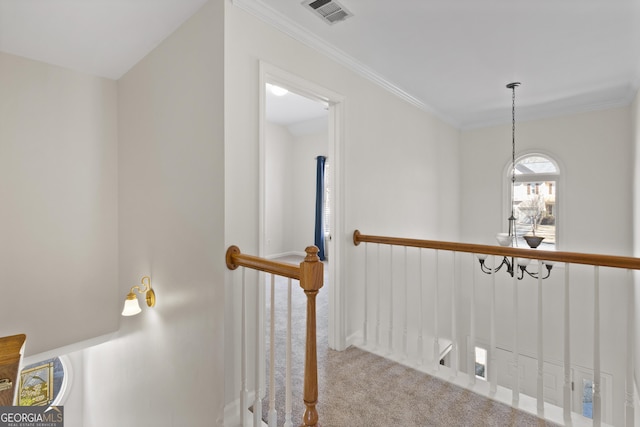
311,280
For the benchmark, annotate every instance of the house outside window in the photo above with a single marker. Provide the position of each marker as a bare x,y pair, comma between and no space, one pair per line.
535,201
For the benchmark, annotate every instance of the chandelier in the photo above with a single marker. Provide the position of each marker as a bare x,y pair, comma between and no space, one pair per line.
510,238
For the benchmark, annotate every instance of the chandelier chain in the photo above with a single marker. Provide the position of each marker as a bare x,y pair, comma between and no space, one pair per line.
513,133
512,218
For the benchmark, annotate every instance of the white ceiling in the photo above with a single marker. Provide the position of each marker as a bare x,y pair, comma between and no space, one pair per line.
293,109
450,57
100,37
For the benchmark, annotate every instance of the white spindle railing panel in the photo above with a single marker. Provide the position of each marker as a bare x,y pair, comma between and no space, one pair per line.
420,309
410,295
630,350
436,307
288,391
309,273
540,387
454,318
567,346
367,285
259,356
629,411
391,293
378,299
272,417
273,414
597,404
405,310
492,367
471,350
244,393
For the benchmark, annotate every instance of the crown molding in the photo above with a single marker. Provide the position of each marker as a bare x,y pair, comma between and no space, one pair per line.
545,111
279,21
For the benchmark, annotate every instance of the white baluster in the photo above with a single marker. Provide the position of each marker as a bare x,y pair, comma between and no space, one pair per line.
597,405
472,327
391,291
516,348
366,296
378,308
454,327
436,342
287,401
405,347
244,393
493,366
257,401
420,321
567,347
629,392
273,413
540,394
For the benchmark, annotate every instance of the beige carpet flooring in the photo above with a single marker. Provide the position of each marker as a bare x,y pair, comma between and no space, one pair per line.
361,389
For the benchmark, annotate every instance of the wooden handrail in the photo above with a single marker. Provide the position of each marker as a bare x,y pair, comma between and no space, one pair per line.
310,273
237,259
553,256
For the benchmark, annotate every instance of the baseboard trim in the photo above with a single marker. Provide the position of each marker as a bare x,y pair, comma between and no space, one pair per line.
355,338
232,413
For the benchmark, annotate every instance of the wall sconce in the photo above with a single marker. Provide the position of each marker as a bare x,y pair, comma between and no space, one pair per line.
131,306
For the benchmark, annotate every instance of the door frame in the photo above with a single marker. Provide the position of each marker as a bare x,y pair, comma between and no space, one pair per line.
335,102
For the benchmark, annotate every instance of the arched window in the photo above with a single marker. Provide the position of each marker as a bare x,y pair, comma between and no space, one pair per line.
535,198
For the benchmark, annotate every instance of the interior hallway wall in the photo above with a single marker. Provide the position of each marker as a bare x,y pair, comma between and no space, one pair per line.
165,366
290,188
58,186
278,188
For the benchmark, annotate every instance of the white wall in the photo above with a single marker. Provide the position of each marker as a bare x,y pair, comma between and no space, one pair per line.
594,151
58,221
398,160
290,188
165,366
278,188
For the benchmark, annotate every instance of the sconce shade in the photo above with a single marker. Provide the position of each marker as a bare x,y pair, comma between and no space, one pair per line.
131,306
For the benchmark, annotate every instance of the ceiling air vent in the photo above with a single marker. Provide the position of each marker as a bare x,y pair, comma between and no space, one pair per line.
330,11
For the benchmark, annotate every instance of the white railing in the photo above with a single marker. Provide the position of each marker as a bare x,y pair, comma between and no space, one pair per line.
310,276
398,279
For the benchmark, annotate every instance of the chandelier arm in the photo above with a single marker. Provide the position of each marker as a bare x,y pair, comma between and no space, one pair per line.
488,270
534,275
485,269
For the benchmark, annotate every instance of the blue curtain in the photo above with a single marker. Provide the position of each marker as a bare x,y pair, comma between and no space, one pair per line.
319,229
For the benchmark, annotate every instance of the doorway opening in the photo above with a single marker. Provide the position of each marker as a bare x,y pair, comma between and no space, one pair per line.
299,122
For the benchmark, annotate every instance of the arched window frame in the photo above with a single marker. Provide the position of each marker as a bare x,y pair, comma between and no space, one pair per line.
556,177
